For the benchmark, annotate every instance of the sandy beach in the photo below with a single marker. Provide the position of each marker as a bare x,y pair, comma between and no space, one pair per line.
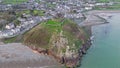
16,55
96,17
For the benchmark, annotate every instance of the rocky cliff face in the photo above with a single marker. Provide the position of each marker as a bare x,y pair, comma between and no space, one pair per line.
60,38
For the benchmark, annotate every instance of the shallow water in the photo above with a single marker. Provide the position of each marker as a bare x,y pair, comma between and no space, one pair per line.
105,50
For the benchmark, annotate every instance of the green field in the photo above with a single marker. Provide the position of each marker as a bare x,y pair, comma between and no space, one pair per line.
14,1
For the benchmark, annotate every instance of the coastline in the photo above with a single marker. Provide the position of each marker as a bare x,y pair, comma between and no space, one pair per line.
97,52
89,23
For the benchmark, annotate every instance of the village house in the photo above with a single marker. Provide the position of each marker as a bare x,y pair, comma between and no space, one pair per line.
10,26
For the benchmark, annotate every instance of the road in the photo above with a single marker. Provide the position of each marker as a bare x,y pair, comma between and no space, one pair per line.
9,33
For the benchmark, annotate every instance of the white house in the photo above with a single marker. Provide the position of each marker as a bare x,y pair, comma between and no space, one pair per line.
100,4
88,8
10,26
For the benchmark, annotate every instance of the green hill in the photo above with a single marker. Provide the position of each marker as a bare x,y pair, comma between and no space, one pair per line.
61,37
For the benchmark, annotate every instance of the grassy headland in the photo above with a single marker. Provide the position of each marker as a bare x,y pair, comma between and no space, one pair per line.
42,34
61,36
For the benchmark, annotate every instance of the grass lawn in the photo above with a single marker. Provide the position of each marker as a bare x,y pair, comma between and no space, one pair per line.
52,22
14,1
53,25
10,40
39,12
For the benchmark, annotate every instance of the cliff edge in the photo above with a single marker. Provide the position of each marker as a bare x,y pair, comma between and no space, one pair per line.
61,38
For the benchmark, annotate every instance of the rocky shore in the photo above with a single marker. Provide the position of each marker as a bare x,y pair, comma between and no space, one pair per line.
74,62
91,20
94,18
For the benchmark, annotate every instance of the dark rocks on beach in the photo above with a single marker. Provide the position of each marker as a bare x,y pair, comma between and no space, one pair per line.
83,49
73,62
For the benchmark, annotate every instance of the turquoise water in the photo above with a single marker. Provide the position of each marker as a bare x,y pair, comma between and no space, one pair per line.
105,50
